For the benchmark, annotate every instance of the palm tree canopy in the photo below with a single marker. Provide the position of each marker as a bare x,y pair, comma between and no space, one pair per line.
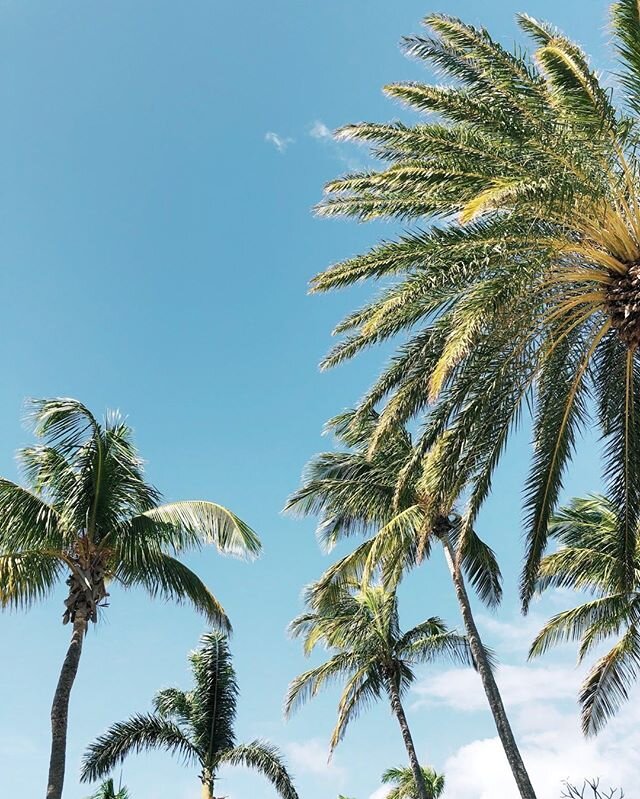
108,791
404,784
88,512
382,492
588,560
361,628
196,725
522,287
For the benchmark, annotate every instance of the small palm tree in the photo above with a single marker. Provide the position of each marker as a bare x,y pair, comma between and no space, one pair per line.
382,492
589,560
404,785
89,516
108,791
197,726
371,654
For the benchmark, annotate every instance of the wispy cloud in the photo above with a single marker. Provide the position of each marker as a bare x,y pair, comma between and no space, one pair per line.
310,757
342,151
320,131
279,142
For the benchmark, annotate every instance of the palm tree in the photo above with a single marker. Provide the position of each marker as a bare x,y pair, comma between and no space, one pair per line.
404,784
108,791
522,288
380,492
589,560
89,515
197,726
361,627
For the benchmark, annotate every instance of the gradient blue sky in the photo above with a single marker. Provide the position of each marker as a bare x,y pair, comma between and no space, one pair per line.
159,163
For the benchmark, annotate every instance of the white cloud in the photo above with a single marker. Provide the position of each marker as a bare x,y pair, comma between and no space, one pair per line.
279,142
544,714
320,131
312,757
461,689
343,152
381,793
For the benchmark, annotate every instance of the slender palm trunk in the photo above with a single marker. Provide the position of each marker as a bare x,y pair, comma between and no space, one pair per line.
398,711
60,708
491,690
207,784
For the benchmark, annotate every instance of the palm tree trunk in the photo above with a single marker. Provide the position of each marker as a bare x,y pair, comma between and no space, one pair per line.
491,690
398,711
207,784
60,708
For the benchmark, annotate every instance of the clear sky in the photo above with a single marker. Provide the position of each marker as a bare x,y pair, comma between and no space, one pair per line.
159,162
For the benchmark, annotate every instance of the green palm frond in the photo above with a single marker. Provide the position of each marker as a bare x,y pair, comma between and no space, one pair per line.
207,523
28,577
138,734
265,758
169,579
591,558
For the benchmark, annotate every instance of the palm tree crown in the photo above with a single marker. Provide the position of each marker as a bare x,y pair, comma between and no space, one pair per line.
89,514
382,493
195,725
371,653
526,289
404,785
589,560
108,791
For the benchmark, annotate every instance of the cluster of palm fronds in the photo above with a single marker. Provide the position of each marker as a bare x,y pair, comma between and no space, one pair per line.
515,296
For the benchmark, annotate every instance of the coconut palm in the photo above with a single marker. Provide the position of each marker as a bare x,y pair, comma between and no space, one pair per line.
522,287
108,791
355,491
588,560
197,726
404,785
360,626
88,515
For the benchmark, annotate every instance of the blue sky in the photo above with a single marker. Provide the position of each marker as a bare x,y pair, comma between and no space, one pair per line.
159,165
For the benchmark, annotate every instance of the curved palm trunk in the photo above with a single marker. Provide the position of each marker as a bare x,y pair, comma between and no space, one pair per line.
398,711
60,708
491,690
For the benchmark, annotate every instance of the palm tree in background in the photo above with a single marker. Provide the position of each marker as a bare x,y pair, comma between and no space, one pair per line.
88,514
522,288
589,560
197,726
371,654
403,784
108,791
381,492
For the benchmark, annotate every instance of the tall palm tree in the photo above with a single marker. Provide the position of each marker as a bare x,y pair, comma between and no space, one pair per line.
88,514
522,287
404,784
108,791
381,493
371,653
588,560
196,725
